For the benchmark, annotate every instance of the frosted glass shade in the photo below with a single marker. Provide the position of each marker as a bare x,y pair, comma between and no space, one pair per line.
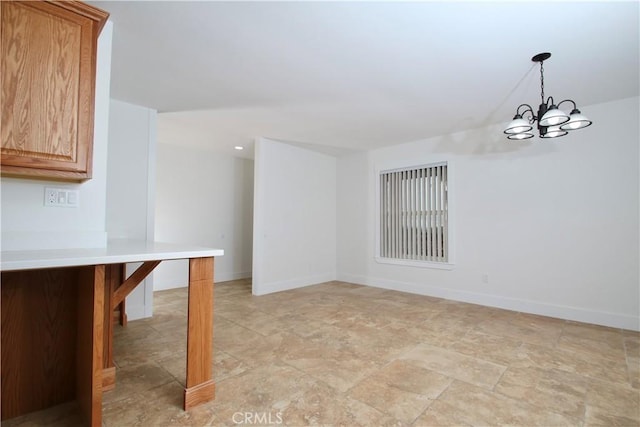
517,125
576,121
553,117
554,132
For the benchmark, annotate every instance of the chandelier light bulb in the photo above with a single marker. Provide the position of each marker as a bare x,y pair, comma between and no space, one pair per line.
554,132
520,136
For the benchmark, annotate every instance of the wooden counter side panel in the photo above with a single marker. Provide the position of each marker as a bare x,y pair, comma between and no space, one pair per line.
89,362
39,321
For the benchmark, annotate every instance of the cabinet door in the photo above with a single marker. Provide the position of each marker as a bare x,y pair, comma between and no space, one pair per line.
48,84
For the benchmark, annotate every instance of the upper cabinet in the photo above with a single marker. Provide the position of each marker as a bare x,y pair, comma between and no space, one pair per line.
48,86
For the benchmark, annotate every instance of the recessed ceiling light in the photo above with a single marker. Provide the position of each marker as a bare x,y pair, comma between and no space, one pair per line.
239,147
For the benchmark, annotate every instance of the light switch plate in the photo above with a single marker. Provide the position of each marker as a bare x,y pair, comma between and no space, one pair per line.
61,197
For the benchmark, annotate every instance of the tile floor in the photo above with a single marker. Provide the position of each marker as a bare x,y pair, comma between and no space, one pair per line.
342,354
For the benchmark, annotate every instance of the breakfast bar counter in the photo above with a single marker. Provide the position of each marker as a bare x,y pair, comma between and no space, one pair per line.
57,322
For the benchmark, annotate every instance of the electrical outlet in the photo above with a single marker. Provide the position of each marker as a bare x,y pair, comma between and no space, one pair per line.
50,196
485,278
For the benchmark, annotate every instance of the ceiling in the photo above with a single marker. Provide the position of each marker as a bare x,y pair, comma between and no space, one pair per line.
344,76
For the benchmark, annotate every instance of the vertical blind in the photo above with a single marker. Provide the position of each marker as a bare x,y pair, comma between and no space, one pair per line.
414,214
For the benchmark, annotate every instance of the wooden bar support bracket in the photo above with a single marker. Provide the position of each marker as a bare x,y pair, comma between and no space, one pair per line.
117,290
134,280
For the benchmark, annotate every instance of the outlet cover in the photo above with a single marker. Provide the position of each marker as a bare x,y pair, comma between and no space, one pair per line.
50,196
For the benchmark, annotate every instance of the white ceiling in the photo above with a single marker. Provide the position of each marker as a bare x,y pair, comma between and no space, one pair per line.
358,75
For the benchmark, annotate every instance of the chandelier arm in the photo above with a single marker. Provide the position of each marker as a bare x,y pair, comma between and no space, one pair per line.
568,100
528,109
532,117
548,102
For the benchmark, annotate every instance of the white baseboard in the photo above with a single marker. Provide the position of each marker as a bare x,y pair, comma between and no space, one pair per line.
285,285
135,312
225,277
162,283
577,314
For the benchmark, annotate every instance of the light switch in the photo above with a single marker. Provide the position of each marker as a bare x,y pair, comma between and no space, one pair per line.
73,198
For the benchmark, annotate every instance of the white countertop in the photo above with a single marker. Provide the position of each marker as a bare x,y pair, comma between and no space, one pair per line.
116,251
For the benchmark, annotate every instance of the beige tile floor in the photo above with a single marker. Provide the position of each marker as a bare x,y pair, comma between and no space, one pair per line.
343,354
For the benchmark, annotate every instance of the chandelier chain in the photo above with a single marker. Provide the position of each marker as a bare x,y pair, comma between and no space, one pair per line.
542,81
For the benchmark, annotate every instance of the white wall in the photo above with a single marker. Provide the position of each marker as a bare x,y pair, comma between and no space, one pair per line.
27,224
131,188
294,241
553,224
204,198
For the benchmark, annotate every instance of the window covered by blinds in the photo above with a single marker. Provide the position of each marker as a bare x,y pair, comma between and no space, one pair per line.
414,214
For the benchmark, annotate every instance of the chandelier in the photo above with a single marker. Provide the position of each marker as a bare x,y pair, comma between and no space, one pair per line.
552,121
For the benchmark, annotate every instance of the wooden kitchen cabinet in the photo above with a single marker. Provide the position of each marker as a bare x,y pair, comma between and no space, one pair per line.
48,87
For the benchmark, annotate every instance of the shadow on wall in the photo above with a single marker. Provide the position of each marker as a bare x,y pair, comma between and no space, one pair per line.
486,137
487,141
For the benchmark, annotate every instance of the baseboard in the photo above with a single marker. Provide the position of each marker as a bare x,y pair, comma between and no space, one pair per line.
225,277
285,285
135,312
161,284
577,314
